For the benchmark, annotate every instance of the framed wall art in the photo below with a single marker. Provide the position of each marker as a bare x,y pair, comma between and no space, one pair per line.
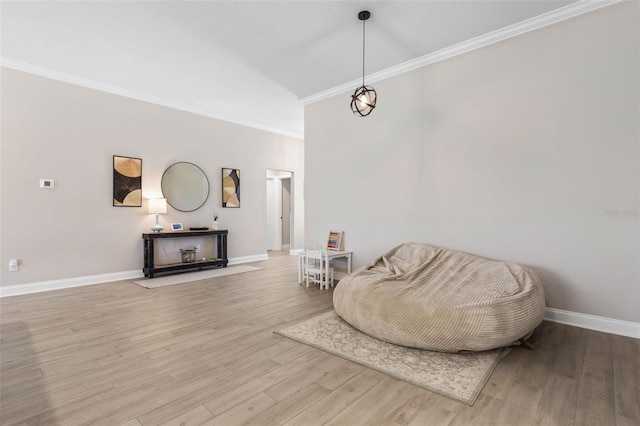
230,187
127,181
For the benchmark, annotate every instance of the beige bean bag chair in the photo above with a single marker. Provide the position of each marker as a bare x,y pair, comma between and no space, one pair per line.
432,298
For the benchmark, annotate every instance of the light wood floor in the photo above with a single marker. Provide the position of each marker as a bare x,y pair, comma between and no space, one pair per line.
205,353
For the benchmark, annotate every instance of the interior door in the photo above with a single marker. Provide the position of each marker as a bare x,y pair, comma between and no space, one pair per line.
270,214
274,214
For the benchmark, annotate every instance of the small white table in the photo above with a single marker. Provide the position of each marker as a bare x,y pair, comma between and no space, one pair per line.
328,255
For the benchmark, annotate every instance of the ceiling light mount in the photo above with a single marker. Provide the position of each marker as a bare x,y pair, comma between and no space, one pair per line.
364,15
363,100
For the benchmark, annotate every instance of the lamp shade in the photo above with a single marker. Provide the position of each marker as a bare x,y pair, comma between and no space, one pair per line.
157,205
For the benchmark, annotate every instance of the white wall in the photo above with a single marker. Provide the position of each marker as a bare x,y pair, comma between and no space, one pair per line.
516,151
69,133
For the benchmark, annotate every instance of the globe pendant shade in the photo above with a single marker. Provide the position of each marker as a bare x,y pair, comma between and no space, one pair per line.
363,101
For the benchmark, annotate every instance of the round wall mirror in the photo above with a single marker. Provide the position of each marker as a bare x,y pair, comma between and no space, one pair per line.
185,186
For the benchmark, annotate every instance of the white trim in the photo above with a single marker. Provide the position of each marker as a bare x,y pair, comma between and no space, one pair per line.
549,18
567,12
295,252
593,322
247,259
91,84
37,287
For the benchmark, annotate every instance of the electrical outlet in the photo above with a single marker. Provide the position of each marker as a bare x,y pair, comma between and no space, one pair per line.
13,265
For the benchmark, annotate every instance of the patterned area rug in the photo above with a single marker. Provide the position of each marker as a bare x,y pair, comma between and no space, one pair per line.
457,376
195,276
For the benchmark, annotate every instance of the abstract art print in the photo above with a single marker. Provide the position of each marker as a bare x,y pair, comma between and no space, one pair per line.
230,187
335,240
127,181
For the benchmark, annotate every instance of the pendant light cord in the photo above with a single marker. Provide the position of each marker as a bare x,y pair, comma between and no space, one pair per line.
363,100
363,39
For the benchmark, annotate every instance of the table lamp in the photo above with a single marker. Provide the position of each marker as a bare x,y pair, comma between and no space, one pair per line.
157,206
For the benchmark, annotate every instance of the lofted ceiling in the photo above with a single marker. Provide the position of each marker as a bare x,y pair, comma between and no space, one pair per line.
249,62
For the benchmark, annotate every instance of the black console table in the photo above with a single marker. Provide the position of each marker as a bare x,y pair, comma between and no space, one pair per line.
149,238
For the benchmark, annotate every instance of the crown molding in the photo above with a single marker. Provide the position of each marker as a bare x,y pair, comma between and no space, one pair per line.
115,90
541,21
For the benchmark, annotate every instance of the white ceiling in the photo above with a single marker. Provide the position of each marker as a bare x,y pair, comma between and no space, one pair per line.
244,61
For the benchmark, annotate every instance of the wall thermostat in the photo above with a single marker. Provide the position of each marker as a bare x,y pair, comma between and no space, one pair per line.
47,183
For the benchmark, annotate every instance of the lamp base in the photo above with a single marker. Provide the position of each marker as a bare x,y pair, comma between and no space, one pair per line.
157,227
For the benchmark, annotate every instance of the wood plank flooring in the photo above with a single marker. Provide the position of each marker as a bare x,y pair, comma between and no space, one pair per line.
204,353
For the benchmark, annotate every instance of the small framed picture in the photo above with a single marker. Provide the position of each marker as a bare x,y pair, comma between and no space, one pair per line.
176,227
335,240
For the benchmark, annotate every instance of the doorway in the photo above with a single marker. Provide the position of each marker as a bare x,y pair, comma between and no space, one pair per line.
279,226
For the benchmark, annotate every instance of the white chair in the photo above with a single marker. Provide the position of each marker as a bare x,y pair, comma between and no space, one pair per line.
315,269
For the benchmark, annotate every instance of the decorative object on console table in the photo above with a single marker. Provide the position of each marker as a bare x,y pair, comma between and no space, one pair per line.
230,187
214,224
149,238
177,227
157,206
188,255
335,241
127,181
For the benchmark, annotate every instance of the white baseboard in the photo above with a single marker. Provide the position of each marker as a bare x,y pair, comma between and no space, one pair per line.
295,252
37,287
247,259
593,322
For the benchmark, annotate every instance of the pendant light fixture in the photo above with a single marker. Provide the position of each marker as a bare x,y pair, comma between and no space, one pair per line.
363,100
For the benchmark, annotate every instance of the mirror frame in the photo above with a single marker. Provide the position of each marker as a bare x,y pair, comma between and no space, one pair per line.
167,198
